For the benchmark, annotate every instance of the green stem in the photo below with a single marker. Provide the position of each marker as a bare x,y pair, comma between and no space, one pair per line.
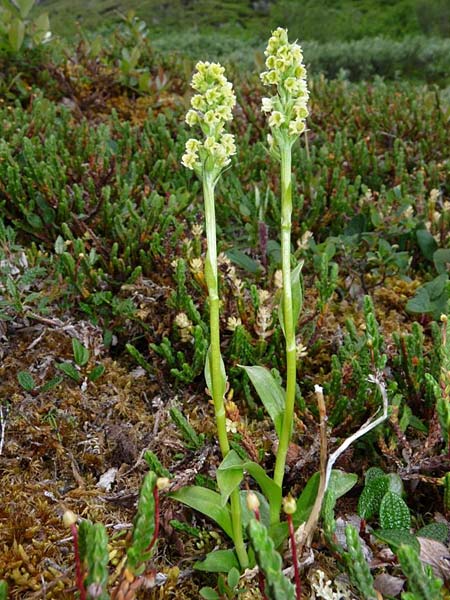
289,325
217,378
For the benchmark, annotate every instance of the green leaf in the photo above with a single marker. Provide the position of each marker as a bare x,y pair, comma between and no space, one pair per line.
60,245
139,358
208,503
396,537
441,259
270,392
436,287
394,512
268,487
96,373
26,381
420,303
3,590
434,531
297,297
370,500
426,242
41,27
373,473
341,482
306,500
247,515
208,369
233,578
24,7
16,36
80,353
69,370
243,261
229,475
209,594
50,384
219,561
395,483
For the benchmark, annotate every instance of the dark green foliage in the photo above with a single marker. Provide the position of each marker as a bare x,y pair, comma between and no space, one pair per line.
394,513
144,526
3,590
191,437
97,558
360,355
155,465
357,567
278,587
422,584
434,531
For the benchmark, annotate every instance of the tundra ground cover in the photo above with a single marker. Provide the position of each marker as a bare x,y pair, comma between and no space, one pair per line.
101,241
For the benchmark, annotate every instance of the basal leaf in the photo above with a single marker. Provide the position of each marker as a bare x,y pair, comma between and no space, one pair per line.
208,503
306,500
220,561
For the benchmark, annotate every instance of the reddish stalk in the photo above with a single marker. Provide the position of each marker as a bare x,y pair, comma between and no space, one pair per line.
253,505
298,585
79,578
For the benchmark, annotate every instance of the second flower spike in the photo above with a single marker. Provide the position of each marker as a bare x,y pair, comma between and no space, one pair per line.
211,108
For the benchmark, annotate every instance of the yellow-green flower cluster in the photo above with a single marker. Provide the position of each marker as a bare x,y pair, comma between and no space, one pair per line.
211,108
288,108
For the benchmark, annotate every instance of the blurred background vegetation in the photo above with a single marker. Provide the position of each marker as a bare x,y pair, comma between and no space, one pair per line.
320,20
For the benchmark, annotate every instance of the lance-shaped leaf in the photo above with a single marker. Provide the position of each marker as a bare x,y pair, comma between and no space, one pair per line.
270,392
231,472
208,503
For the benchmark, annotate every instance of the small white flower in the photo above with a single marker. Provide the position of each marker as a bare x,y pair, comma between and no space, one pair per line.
276,119
267,104
189,160
191,117
231,426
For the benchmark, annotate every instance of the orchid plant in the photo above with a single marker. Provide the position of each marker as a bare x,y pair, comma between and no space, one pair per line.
208,156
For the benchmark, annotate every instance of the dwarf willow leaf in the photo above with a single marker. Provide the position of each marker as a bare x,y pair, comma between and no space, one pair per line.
80,353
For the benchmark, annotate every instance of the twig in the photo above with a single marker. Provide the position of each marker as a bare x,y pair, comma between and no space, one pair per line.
304,534
368,426
2,428
305,531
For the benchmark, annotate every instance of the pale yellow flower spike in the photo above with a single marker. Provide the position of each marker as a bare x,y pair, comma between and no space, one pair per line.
288,108
210,108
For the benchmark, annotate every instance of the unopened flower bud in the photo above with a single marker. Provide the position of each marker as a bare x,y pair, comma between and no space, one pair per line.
252,501
289,505
162,483
69,518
